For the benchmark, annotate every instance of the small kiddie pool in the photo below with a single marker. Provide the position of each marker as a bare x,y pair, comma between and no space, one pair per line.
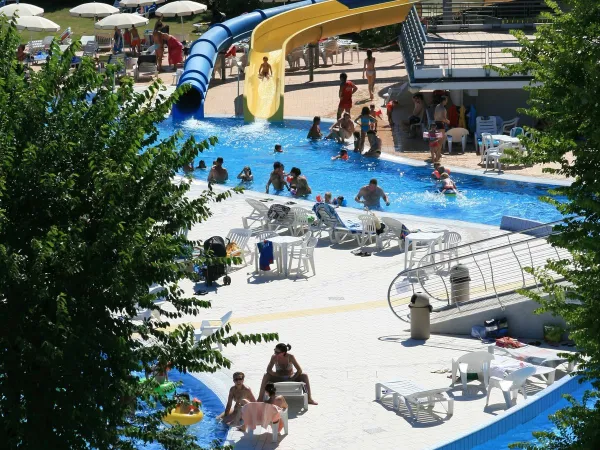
411,189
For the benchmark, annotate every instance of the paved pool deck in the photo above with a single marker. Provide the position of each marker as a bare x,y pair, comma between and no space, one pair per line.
346,339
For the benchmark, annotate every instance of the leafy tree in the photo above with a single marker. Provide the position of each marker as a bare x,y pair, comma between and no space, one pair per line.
91,214
564,97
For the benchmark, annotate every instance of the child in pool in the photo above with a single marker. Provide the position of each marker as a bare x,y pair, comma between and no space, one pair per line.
365,120
340,201
278,148
343,156
315,129
448,184
357,141
265,71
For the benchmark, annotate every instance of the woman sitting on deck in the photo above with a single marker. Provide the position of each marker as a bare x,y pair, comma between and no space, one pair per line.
284,364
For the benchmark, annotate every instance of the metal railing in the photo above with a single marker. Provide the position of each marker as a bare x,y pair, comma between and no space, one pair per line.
495,266
466,14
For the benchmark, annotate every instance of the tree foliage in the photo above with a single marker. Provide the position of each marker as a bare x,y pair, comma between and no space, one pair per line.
564,96
91,215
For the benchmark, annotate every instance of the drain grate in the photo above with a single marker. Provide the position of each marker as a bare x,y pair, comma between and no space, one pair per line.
336,299
374,430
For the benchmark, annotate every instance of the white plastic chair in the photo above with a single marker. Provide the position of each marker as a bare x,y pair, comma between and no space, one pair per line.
210,327
258,214
369,231
304,254
329,50
283,414
474,362
240,236
457,134
494,155
392,231
511,385
509,124
299,220
488,125
450,243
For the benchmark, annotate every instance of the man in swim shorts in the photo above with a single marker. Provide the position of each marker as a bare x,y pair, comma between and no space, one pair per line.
218,173
277,178
342,129
347,88
371,194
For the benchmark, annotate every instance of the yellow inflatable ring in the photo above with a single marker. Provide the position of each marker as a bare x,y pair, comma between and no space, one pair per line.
175,417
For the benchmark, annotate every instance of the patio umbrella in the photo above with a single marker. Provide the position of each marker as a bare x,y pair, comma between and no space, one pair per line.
21,9
93,10
121,21
36,23
180,9
135,3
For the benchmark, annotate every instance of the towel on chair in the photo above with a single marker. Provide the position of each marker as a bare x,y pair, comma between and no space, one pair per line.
261,414
266,255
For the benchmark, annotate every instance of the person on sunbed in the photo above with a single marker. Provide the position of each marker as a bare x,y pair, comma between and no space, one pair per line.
241,394
284,364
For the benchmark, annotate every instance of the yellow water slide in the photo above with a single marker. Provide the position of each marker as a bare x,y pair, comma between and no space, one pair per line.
275,37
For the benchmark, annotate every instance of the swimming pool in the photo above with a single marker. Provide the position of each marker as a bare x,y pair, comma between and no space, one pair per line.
411,189
208,429
523,432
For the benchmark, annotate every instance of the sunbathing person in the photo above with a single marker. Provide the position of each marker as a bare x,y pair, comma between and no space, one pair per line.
284,364
299,184
274,399
277,178
242,395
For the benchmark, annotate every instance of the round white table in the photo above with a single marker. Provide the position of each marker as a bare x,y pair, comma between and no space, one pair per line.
281,244
413,238
506,139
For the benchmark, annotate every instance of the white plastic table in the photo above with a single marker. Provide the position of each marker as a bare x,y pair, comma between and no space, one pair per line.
352,46
506,139
281,244
413,238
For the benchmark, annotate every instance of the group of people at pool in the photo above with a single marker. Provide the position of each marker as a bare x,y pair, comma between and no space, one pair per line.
282,366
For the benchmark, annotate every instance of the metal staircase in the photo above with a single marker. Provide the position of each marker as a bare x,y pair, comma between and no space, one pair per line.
497,268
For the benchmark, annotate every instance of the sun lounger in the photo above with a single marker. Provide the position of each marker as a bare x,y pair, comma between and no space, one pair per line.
413,396
338,229
210,327
146,67
291,389
502,366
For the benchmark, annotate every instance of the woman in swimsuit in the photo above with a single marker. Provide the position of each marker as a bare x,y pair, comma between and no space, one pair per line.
242,395
284,364
369,72
364,120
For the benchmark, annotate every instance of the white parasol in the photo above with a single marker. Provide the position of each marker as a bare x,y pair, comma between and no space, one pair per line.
36,23
135,3
121,21
93,10
22,10
180,9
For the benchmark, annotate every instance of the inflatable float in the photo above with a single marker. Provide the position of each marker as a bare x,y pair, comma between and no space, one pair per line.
177,417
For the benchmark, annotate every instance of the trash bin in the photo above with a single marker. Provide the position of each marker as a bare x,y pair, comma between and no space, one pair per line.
459,284
420,311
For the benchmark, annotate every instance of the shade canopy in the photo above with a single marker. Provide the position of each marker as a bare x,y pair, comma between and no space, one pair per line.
181,8
36,23
93,10
121,21
135,3
21,9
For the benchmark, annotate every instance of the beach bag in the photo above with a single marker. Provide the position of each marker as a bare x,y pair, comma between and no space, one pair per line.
233,249
496,328
278,212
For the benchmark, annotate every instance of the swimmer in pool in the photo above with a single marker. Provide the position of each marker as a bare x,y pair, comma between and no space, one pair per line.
278,148
315,129
299,183
448,184
277,178
343,156
265,71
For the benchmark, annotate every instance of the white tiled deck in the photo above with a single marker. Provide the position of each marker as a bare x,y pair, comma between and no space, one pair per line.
346,339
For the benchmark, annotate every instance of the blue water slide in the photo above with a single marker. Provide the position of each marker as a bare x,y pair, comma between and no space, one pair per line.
200,63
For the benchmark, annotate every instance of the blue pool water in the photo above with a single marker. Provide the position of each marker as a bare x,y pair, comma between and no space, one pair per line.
208,429
411,189
523,432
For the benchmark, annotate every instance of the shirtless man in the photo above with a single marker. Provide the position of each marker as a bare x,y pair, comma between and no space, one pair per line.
299,183
418,110
315,129
218,173
342,129
265,71
242,395
374,144
371,194
277,178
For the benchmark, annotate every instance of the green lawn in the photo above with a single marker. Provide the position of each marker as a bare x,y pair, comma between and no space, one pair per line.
85,27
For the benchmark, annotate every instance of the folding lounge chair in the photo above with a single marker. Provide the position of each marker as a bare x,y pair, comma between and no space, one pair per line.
413,396
210,327
293,389
338,229
241,237
259,214
146,67
534,355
